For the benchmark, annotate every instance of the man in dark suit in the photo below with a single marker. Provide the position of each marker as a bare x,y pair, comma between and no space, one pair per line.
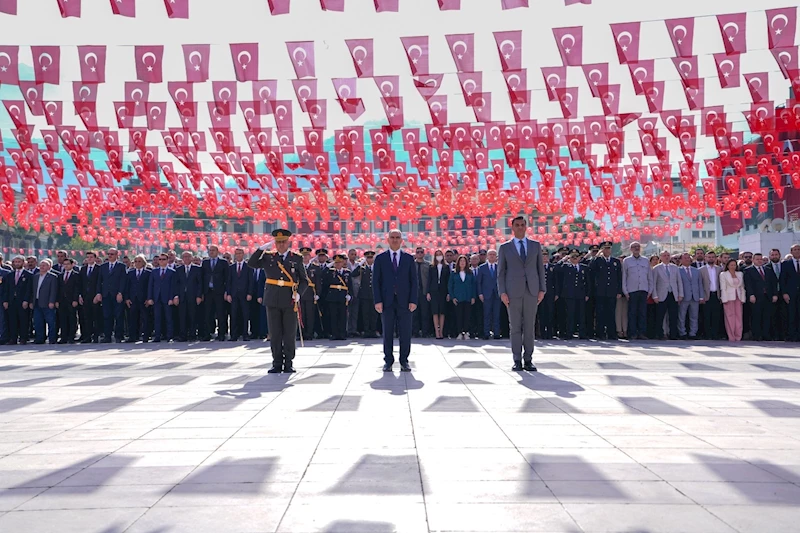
606,279
161,295
136,300
285,283
761,287
421,318
4,271
189,295
45,296
395,289
239,294
110,290
778,318
90,274
521,283
489,296
215,280
790,291
258,313
68,293
18,301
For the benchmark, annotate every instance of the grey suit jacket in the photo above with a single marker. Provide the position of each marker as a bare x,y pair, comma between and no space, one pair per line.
705,274
49,291
515,277
665,279
424,271
692,285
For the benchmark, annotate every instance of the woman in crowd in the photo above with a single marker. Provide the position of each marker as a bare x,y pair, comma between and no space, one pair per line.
462,291
437,291
731,289
654,330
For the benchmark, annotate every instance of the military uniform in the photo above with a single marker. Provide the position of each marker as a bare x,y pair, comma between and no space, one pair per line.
285,277
365,301
315,271
591,304
606,279
336,293
561,308
547,307
308,300
574,290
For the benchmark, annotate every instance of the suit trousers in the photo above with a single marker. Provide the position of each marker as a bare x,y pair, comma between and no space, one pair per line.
338,316
282,325
18,320
547,317
693,310
240,316
778,320
395,316
521,323
309,314
421,318
793,331
68,316
668,307
463,314
187,318
712,316
3,327
476,319
606,307
162,312
216,316
733,320
576,316
42,315
113,313
90,328
369,316
138,317
637,314
760,318
491,314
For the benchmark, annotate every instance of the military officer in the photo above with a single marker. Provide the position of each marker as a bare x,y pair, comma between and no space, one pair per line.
547,307
337,293
561,310
587,260
366,300
574,290
308,300
606,286
285,283
316,268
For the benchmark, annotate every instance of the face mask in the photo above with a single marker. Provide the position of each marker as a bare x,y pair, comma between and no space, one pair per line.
439,257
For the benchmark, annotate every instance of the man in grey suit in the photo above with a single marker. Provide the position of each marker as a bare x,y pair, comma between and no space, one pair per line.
45,294
693,296
522,285
667,293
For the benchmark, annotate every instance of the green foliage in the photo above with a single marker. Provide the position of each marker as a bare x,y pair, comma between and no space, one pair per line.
78,244
717,249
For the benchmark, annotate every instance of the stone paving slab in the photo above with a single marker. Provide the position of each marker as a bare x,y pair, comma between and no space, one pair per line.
656,437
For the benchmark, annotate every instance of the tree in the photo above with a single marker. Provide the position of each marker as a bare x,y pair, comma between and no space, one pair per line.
717,250
78,244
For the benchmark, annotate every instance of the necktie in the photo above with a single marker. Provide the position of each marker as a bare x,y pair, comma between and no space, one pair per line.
213,263
419,277
138,274
491,269
797,266
689,271
761,271
238,269
394,261
66,277
522,253
18,274
163,272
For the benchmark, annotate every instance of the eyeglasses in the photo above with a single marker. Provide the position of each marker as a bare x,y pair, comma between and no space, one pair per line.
162,258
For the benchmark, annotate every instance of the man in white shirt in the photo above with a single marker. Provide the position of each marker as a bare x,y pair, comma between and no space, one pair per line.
712,309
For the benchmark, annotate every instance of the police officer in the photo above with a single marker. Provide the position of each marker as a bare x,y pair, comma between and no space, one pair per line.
308,300
337,293
366,300
285,283
606,279
547,307
574,291
590,303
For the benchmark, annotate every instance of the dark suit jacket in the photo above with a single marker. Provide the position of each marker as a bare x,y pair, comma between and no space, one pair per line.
136,290
219,275
259,283
754,285
69,291
189,288
487,283
48,293
17,292
606,277
438,287
161,289
111,282
790,279
386,282
89,283
240,285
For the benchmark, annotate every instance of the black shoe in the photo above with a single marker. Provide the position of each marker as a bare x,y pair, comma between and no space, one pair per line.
387,368
130,341
246,338
289,369
275,370
157,339
517,367
405,368
530,367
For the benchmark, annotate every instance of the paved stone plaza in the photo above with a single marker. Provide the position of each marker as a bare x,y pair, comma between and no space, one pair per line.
607,437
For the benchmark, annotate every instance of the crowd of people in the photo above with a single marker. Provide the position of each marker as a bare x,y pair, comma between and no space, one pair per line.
589,295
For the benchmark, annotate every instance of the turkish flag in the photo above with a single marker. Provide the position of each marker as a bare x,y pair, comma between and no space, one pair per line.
33,92
462,48
138,93
393,107
278,7
305,90
389,86
46,64
345,88
512,4
517,84
758,85
681,33
125,8
642,72
318,113
149,63
787,59
16,110
449,5
570,45
626,38
471,84
734,32
554,78
332,5
156,115
695,94
596,76
509,46
124,112
53,113
428,84
69,8
654,95
93,63
301,55
282,109
88,113
575,2
781,26
361,52
84,92
687,70
265,91
609,99
417,52
181,92
177,9
225,94
568,99
387,5
728,70
196,58
9,7
245,61
481,104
